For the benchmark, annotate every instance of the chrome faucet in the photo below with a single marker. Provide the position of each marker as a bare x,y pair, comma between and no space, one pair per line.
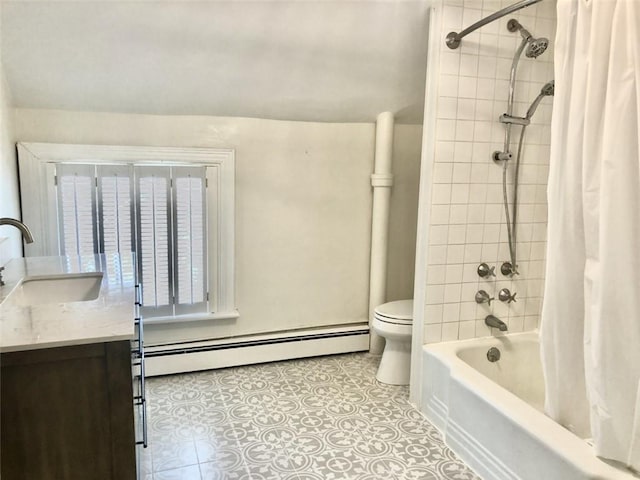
26,233
483,297
495,322
505,295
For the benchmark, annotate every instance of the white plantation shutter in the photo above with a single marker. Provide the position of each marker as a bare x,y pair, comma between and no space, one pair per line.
115,208
159,212
74,198
154,226
77,205
190,227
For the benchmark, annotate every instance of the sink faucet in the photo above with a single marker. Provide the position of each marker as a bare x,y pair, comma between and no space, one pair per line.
495,322
26,233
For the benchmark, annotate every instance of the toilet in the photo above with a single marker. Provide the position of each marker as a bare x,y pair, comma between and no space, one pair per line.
393,321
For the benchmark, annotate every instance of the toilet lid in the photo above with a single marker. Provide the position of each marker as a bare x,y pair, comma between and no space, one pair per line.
399,310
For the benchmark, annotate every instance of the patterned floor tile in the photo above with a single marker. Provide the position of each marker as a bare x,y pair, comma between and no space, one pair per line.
348,464
167,456
214,471
213,425
225,457
145,462
183,473
324,418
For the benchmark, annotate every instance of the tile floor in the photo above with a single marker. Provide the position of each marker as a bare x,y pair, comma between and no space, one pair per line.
313,419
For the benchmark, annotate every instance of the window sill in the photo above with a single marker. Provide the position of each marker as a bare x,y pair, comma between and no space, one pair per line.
195,317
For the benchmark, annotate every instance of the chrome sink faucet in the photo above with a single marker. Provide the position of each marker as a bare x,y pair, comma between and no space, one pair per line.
26,233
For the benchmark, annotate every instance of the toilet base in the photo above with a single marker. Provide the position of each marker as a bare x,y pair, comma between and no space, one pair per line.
395,364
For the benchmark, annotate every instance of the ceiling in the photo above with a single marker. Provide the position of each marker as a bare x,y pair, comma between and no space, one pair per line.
319,60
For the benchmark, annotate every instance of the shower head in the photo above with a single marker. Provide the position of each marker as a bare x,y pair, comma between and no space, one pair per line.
535,46
546,91
549,88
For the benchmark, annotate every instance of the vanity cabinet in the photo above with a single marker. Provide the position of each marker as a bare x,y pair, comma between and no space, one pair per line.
66,413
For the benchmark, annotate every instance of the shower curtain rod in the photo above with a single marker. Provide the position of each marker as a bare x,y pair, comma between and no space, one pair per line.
453,38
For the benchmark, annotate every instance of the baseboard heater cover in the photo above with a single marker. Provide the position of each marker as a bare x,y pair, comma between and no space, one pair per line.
189,357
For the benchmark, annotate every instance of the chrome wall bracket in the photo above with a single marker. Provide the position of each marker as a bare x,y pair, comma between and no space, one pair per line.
499,157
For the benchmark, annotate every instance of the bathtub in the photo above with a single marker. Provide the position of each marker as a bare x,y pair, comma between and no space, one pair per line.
491,414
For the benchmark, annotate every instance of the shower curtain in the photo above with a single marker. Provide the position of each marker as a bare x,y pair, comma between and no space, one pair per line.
590,331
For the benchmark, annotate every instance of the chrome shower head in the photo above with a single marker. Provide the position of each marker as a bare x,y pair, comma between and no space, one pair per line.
549,88
535,46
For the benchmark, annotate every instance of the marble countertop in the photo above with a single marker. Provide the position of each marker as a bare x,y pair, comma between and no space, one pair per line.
110,317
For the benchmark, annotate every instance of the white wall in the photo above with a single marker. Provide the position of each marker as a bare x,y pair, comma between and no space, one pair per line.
303,208
10,238
403,215
462,199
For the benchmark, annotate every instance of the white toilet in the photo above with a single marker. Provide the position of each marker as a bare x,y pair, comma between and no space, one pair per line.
393,321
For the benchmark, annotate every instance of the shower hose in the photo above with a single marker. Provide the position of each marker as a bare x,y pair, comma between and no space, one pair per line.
511,220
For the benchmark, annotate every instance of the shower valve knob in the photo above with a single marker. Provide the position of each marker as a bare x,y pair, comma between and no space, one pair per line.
509,270
483,297
505,296
485,270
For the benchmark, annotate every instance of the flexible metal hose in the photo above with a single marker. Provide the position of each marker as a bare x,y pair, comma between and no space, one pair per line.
512,219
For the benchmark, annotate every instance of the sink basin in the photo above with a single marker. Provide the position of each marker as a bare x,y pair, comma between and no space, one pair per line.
63,288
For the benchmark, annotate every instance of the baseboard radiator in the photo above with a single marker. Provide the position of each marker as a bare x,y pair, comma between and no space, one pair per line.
231,352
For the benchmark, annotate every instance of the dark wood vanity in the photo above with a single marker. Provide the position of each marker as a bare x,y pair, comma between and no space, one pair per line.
72,401
67,413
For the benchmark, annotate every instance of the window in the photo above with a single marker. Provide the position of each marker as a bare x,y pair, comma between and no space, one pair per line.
158,212
173,207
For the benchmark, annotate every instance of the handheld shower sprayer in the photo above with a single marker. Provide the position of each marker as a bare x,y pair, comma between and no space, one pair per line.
547,91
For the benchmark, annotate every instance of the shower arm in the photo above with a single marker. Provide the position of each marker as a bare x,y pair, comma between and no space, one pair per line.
453,39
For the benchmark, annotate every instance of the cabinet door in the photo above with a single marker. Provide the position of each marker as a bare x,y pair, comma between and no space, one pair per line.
66,414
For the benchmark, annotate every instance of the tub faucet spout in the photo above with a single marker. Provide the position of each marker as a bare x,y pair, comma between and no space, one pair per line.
495,322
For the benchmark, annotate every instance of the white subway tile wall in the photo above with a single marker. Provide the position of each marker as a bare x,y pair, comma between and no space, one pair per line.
467,225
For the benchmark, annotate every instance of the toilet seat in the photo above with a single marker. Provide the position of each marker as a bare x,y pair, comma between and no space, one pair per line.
395,321
399,312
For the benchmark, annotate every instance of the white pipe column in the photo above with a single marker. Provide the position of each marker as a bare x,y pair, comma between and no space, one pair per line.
381,181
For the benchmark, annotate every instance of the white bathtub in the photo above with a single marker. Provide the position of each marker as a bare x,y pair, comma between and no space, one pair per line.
491,415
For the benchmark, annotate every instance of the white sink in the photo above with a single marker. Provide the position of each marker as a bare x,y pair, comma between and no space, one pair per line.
62,288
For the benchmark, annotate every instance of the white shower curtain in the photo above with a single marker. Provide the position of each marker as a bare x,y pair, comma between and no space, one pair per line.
590,331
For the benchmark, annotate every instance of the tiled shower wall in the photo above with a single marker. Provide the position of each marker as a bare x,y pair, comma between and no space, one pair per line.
467,219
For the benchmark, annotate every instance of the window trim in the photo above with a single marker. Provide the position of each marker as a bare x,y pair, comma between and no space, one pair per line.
37,163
